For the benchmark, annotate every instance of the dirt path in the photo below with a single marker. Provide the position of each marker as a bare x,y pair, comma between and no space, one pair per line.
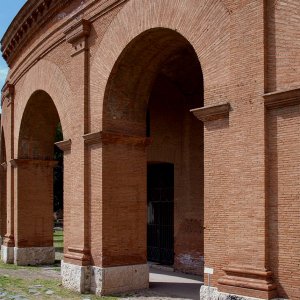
45,272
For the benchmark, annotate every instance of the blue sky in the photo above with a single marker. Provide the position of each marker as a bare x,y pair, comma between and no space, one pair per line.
8,10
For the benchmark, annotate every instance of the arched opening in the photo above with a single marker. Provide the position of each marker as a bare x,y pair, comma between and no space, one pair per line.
39,170
3,187
153,155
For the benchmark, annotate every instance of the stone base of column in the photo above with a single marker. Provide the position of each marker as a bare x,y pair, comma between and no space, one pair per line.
212,293
7,254
112,280
34,256
75,278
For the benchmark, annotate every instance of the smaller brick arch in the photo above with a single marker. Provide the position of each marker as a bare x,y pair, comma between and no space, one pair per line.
35,165
45,76
38,127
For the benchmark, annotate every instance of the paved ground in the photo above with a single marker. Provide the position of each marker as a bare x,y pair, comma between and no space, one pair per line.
165,284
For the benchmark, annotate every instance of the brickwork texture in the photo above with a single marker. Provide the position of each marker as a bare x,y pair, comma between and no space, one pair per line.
121,76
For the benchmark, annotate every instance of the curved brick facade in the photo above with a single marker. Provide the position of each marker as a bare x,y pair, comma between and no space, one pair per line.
208,86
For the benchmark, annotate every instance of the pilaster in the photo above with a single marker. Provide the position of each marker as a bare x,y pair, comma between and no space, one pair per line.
8,96
76,203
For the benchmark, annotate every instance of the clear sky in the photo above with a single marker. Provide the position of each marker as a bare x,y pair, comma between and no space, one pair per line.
8,10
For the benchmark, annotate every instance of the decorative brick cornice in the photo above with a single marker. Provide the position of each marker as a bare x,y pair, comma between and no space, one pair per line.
4,165
282,98
109,137
64,145
33,15
9,240
93,138
8,92
210,113
77,35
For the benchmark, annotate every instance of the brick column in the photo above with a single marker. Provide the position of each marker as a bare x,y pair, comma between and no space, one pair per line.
7,248
118,212
240,272
75,266
33,222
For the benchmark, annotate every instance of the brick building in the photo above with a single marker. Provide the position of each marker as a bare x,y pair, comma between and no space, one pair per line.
181,140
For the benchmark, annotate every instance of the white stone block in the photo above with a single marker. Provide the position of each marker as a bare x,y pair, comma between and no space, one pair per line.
7,254
34,256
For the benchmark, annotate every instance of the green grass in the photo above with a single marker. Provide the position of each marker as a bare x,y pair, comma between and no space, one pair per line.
58,240
4,266
15,283
20,286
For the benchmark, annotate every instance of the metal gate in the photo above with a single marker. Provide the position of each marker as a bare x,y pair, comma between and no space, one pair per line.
160,229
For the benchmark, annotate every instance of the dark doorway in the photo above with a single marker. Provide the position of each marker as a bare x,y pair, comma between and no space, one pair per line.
160,226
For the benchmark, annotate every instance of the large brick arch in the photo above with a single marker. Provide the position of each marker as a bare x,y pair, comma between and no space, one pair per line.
45,76
205,26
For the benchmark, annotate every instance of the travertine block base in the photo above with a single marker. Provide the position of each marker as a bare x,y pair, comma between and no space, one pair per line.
211,293
75,278
113,280
104,281
7,254
34,256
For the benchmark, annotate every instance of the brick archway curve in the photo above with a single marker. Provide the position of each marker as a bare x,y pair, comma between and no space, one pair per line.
205,26
48,77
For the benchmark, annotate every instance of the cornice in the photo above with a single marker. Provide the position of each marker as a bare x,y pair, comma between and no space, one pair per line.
92,138
109,137
64,145
282,98
4,165
77,35
210,113
19,162
32,16
8,92
93,9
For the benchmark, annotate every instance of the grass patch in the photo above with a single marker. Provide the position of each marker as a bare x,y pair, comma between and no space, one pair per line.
14,267
38,288
58,240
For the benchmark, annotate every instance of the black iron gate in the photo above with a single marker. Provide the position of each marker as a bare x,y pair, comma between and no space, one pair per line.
160,229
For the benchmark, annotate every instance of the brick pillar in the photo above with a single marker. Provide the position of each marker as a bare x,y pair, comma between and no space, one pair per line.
33,221
75,266
247,271
7,248
118,212
235,241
